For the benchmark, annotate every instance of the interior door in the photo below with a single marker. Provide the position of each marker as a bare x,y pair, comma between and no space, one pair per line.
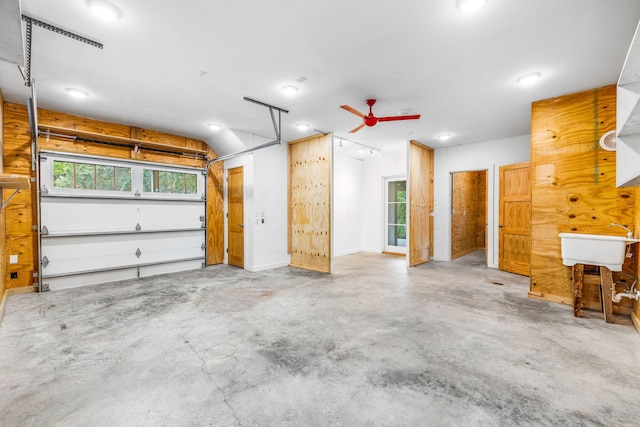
235,209
420,203
514,235
396,216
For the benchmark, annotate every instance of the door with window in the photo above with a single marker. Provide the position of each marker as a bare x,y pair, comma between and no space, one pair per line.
395,215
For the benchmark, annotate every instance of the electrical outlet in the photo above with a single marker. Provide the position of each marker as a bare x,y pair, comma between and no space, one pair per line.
14,274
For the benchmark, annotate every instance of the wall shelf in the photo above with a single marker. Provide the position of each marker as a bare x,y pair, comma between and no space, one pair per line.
86,136
14,182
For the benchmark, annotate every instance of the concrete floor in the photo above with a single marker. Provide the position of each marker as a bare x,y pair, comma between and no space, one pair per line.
372,344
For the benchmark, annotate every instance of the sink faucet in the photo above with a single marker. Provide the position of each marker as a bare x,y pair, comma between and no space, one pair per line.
629,232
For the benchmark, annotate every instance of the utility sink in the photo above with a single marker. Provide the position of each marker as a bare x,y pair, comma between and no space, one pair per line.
595,249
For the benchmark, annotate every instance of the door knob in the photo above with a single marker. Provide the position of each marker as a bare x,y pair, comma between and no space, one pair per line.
241,225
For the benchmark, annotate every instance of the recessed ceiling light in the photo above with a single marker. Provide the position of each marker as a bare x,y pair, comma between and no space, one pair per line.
104,9
444,136
289,90
527,79
214,127
76,93
470,5
303,126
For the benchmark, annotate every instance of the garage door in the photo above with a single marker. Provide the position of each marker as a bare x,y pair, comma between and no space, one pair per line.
104,220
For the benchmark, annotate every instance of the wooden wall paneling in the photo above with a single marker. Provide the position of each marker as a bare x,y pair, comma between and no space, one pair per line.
215,214
21,215
481,219
53,118
636,271
459,218
310,203
3,243
420,203
573,184
20,238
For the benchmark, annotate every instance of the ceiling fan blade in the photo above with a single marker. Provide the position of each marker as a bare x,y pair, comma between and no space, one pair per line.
352,111
393,118
357,129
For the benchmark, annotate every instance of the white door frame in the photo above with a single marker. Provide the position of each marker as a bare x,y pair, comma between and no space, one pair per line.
385,232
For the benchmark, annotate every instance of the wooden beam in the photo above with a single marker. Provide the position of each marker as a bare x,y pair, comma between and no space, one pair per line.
49,129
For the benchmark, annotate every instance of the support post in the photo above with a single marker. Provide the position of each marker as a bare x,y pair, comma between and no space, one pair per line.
606,286
578,279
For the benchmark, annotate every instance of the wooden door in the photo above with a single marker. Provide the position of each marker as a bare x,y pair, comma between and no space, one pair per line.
514,236
420,203
235,209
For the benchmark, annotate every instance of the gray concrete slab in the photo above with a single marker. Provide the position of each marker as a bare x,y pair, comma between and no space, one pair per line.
372,344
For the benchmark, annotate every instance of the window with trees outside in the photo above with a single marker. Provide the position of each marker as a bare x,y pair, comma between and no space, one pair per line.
90,176
159,181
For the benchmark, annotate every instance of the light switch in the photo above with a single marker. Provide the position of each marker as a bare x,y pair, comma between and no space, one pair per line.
13,259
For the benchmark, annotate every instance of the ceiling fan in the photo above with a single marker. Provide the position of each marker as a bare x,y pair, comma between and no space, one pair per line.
371,120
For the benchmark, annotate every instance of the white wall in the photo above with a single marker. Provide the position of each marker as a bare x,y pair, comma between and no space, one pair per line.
347,204
270,202
265,197
392,163
489,155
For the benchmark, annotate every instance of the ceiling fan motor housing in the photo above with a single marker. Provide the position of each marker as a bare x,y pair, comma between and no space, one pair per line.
370,120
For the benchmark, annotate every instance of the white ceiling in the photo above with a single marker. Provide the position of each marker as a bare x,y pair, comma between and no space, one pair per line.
176,66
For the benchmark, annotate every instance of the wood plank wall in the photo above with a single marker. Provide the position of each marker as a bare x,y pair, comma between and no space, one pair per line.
636,305
215,214
421,203
21,215
573,185
3,243
481,214
310,203
469,212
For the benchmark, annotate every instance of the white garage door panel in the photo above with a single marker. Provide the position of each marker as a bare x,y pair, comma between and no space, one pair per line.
86,253
61,215
57,283
153,270
91,234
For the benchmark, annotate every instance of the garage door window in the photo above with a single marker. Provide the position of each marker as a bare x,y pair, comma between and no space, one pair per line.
89,176
159,181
